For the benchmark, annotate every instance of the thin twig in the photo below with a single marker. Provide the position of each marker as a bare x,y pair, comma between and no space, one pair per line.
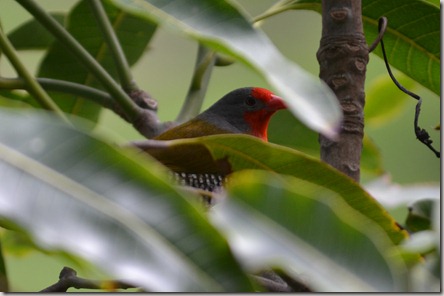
421,134
201,77
100,97
382,29
123,70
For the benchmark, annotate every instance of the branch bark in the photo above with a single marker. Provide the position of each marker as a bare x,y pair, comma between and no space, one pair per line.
343,57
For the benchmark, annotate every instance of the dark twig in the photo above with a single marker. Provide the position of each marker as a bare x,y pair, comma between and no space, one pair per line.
68,279
421,134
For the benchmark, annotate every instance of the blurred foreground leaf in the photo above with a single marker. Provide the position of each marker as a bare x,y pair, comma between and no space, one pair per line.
72,193
308,231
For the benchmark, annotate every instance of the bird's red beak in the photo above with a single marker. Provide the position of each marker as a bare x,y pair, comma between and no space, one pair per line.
276,103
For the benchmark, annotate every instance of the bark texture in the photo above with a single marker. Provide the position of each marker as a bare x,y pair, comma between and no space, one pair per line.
343,57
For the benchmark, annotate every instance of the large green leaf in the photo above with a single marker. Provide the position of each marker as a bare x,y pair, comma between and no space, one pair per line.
230,153
75,194
223,27
307,230
412,39
32,35
133,32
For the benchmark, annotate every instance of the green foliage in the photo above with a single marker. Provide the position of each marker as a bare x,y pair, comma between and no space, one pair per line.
300,220
134,35
125,214
413,44
420,215
224,28
239,152
68,192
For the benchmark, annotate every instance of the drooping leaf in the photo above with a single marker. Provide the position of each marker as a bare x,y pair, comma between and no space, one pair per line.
306,230
70,192
223,27
412,39
32,35
134,33
392,195
224,154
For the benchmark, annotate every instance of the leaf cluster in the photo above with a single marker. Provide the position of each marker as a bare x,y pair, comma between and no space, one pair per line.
69,192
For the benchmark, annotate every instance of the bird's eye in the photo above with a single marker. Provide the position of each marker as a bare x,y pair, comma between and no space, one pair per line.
250,102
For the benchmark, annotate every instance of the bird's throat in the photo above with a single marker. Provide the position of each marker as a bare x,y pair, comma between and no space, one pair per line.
258,123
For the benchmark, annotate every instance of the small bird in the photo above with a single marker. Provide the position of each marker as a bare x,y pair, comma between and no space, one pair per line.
243,111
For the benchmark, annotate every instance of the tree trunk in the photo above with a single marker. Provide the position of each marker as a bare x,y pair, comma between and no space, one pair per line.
343,57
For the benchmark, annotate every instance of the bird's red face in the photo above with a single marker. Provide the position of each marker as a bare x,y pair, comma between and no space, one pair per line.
259,108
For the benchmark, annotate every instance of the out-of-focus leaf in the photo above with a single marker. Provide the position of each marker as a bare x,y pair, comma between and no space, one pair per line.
134,33
384,101
420,214
73,193
392,195
224,154
32,35
307,230
223,27
412,39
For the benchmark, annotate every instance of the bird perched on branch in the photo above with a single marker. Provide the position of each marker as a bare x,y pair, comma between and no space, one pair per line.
243,111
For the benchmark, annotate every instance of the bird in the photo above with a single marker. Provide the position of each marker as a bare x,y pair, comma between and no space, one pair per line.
246,110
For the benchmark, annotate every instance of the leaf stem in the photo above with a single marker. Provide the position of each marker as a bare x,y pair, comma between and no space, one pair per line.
30,83
199,84
128,106
123,69
100,97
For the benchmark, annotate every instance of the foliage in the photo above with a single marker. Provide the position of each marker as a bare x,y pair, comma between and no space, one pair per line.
74,194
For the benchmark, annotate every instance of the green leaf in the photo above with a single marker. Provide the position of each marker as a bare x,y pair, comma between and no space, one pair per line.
76,194
412,39
134,34
420,215
306,229
224,154
32,35
223,27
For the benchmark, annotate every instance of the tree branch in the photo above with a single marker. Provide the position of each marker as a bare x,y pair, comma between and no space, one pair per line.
68,279
343,58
